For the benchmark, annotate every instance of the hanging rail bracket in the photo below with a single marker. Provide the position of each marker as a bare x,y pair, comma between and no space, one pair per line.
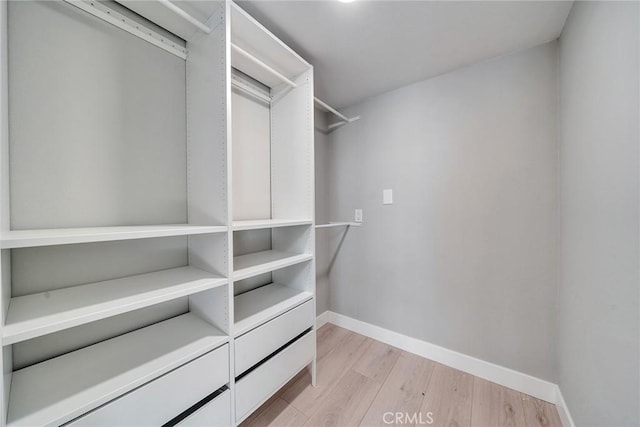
109,15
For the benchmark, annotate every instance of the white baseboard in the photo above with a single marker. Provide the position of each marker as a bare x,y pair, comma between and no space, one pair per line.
519,381
563,410
323,318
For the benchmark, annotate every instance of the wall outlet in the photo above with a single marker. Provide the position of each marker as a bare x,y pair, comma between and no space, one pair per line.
358,217
387,197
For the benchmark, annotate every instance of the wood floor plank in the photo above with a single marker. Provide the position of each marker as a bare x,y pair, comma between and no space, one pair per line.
278,413
330,369
353,365
328,337
449,397
306,371
403,390
495,406
260,410
538,413
348,403
377,362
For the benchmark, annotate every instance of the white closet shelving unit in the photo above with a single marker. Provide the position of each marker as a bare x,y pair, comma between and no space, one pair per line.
141,283
274,239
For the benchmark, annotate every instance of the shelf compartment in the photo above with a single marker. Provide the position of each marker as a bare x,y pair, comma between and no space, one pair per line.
256,224
60,389
65,236
245,266
38,314
260,305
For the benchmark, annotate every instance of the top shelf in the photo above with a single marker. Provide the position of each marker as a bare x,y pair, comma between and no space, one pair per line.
256,224
66,236
253,38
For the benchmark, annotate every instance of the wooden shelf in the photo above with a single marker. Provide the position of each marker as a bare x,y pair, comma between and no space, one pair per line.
65,236
250,265
57,390
255,224
260,305
38,314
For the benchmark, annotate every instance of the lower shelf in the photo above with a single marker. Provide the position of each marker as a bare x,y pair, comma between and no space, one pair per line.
141,408
60,389
38,314
260,305
256,263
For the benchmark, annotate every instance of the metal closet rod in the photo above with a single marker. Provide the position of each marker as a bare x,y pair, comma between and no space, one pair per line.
255,60
238,84
184,15
332,110
338,224
291,83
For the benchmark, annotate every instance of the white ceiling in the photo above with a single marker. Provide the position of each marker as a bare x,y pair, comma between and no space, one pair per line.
364,48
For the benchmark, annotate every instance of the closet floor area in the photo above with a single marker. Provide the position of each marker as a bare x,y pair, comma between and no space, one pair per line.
363,382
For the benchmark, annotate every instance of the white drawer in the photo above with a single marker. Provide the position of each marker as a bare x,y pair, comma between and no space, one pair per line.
164,398
216,413
260,342
257,386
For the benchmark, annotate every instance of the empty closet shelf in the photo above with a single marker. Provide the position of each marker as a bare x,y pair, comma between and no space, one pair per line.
263,262
260,305
65,236
38,314
60,389
268,223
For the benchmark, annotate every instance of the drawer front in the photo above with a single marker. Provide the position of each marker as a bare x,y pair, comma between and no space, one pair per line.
162,399
216,413
260,342
257,386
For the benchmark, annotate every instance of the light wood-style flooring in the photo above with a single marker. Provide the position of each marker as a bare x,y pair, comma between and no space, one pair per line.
363,382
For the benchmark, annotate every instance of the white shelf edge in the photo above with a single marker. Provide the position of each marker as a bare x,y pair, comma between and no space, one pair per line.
153,289
268,223
286,260
191,338
65,236
287,301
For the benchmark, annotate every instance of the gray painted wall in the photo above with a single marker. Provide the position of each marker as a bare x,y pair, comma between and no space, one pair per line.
82,121
598,320
466,256
251,157
322,212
